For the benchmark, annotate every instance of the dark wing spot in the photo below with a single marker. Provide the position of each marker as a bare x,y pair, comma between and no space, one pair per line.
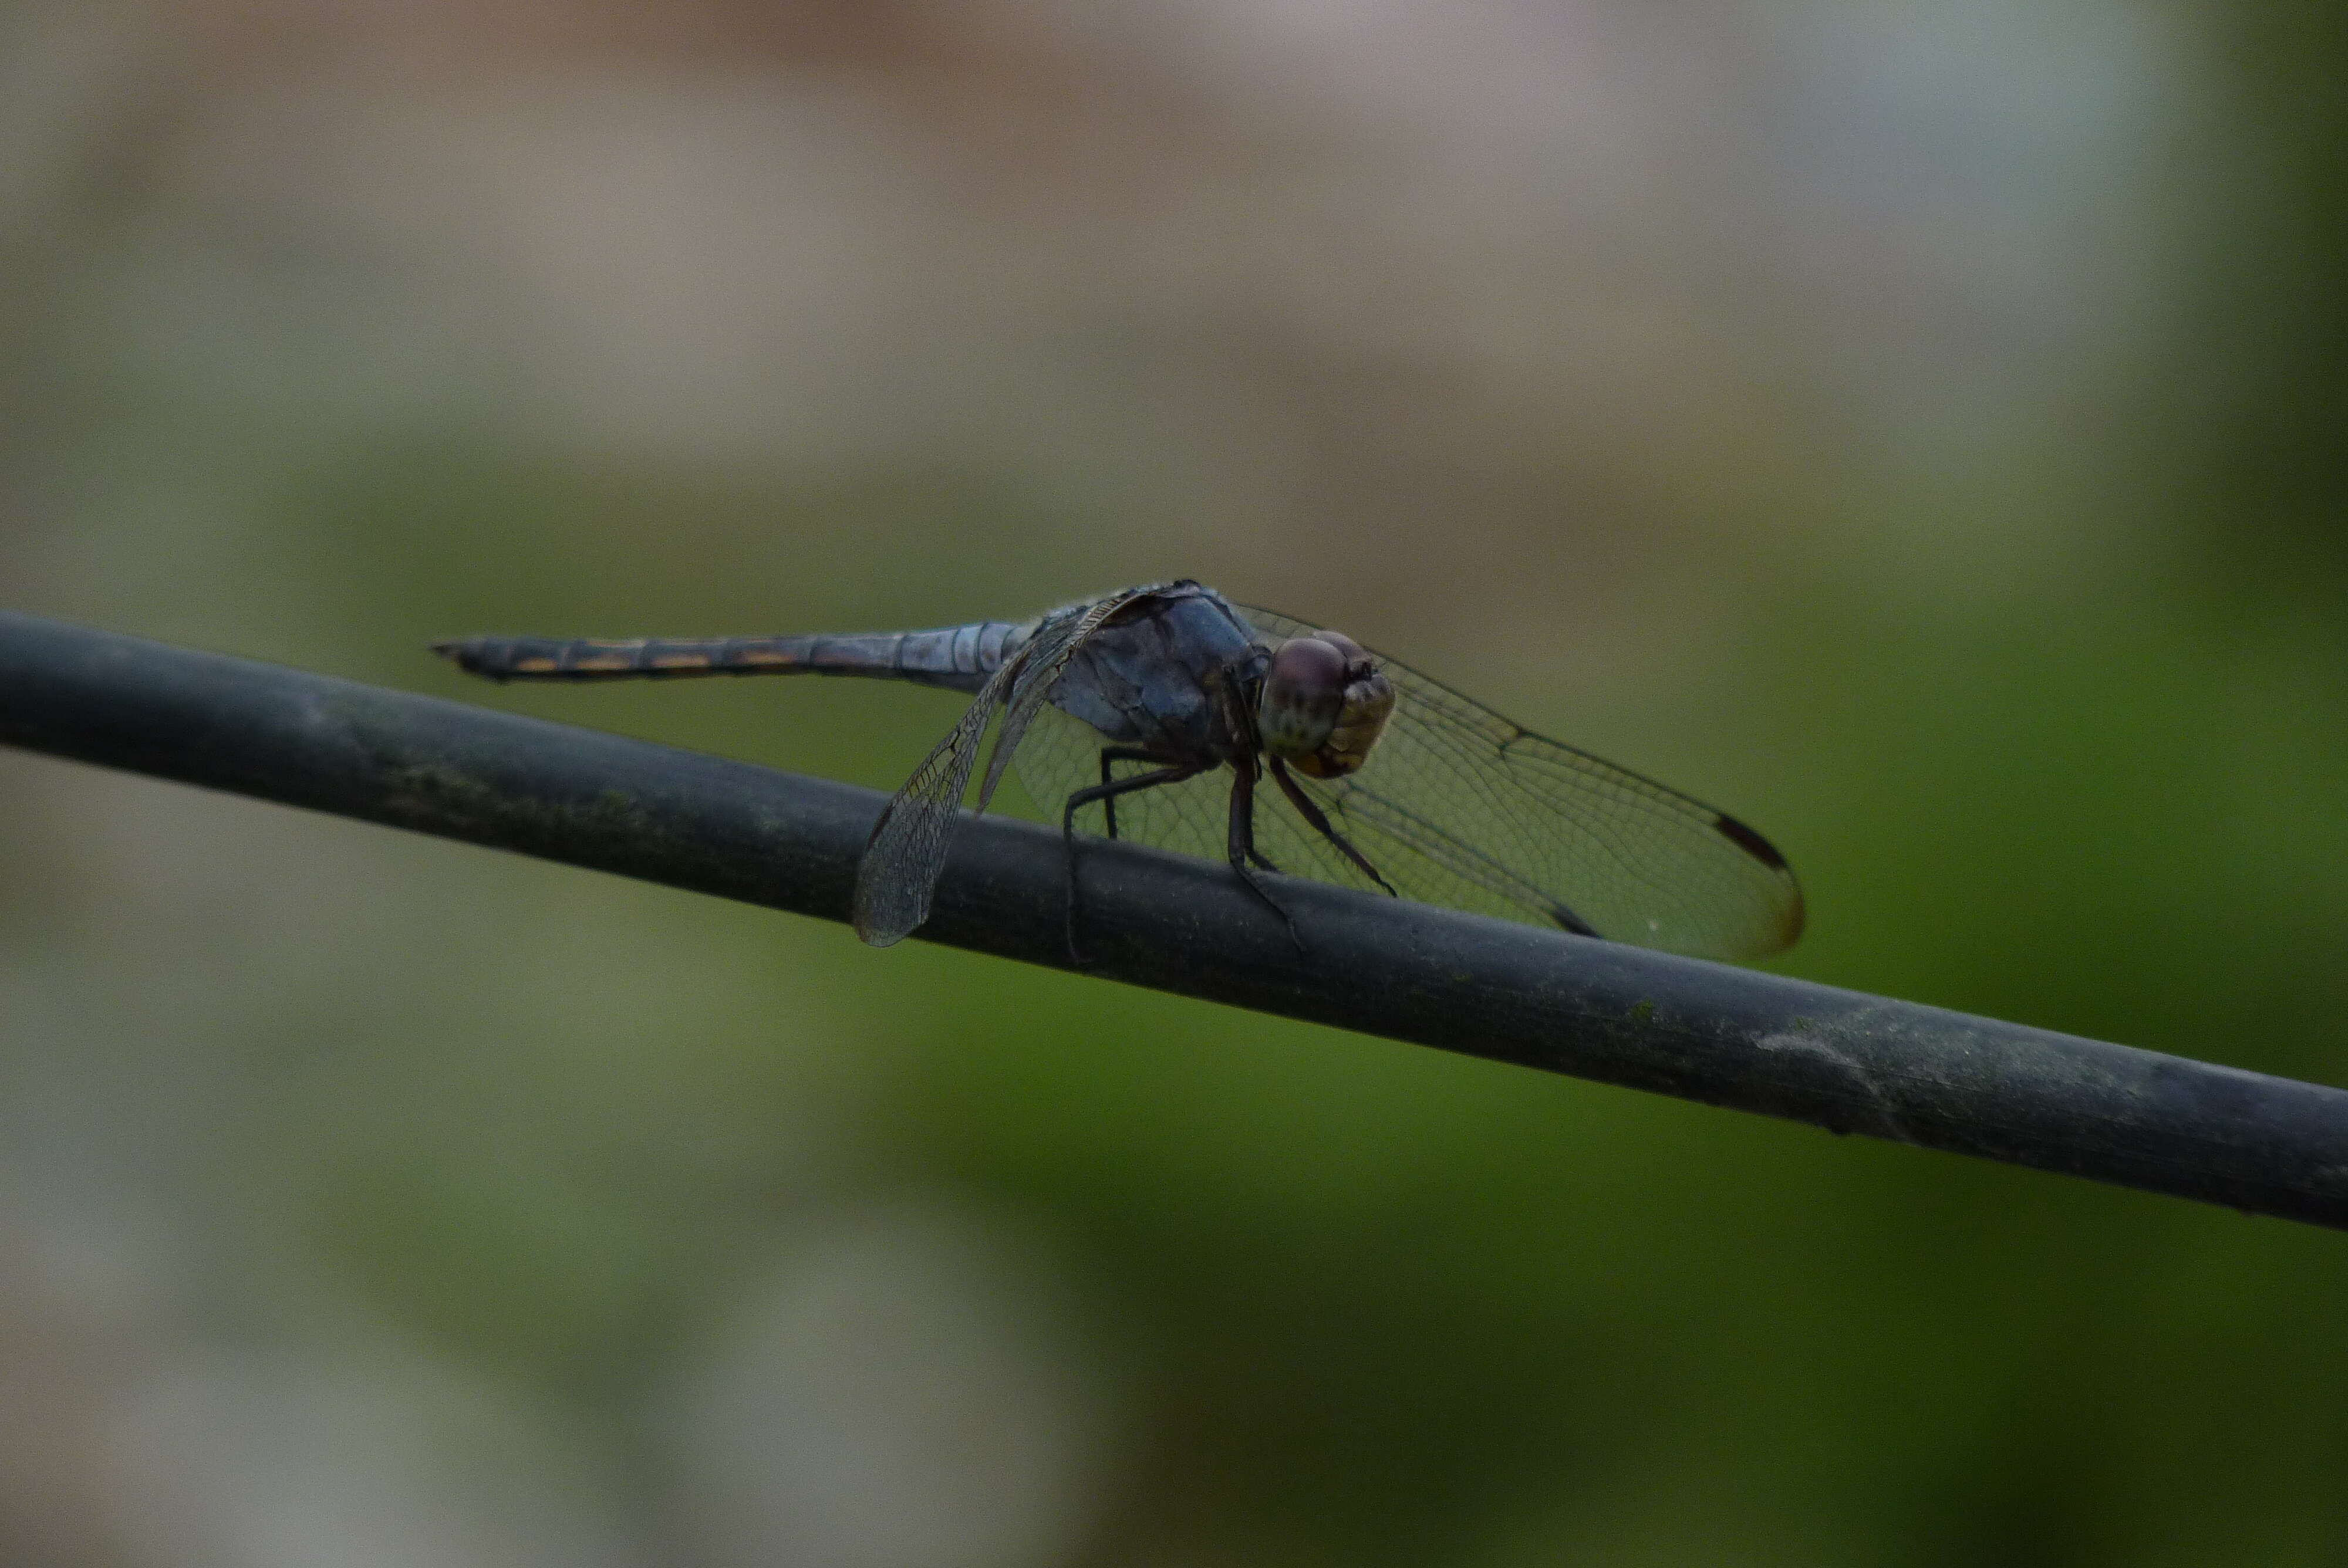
1572,921
1796,919
1751,842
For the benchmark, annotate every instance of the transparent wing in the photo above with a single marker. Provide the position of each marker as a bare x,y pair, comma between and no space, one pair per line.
899,873
1460,807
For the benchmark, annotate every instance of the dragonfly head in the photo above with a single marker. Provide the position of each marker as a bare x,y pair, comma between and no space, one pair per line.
1325,704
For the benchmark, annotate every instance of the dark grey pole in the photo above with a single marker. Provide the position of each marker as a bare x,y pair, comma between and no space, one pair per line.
1840,1060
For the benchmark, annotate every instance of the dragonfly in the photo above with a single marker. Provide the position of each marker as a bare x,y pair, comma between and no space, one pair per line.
1168,715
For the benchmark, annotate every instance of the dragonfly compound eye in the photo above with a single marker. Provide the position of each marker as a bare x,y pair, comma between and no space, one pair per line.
1344,645
1303,691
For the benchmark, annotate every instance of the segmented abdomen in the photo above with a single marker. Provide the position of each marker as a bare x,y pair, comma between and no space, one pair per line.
960,657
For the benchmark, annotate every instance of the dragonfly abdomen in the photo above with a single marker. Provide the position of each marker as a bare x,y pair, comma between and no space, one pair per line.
958,657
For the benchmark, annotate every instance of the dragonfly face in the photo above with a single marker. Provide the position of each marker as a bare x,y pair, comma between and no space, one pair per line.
1325,704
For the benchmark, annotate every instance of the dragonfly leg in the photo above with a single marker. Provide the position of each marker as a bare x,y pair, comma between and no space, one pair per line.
1241,847
1116,754
1319,822
1107,790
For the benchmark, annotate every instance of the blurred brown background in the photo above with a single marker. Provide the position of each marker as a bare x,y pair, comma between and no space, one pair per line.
1919,428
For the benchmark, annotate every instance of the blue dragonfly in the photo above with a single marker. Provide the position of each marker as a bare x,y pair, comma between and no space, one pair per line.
1168,715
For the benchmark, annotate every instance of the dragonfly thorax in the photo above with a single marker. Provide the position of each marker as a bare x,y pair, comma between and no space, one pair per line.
1324,703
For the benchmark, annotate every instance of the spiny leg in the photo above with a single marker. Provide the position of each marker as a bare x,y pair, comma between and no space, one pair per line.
1240,718
1107,790
1241,845
1116,754
1319,820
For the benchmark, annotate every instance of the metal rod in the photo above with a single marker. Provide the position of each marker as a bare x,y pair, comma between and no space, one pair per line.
1840,1059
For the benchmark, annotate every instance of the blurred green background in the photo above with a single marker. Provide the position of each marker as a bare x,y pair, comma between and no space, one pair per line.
1918,428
